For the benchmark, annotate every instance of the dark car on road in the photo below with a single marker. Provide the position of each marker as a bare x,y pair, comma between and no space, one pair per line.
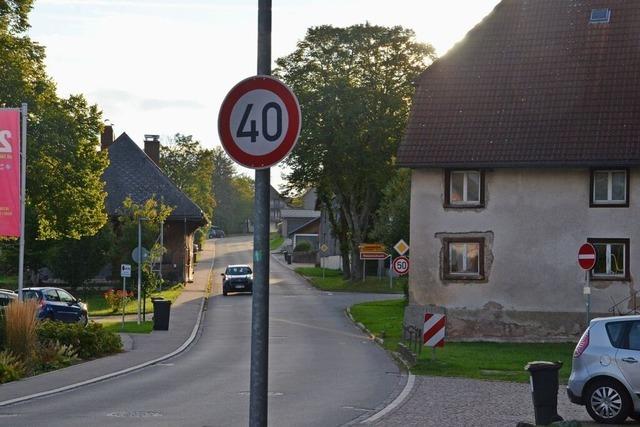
216,232
57,304
237,278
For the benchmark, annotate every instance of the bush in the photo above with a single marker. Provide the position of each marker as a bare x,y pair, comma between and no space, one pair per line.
303,246
11,367
89,342
53,355
117,299
20,328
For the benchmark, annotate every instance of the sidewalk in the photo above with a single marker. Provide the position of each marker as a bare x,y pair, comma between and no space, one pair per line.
143,347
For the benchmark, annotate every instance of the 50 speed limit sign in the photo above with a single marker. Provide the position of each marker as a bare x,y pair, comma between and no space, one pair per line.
401,265
259,122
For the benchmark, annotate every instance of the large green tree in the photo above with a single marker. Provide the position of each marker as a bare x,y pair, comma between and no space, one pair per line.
190,167
65,192
355,86
392,218
233,194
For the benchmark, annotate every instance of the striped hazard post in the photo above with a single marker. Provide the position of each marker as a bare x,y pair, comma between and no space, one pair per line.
433,330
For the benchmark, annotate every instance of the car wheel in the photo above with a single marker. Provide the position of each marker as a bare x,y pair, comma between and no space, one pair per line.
50,317
224,293
608,402
83,319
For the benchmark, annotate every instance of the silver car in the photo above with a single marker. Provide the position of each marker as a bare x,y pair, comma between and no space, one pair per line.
605,375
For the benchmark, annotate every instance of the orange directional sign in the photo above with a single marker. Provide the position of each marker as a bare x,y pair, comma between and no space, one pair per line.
372,247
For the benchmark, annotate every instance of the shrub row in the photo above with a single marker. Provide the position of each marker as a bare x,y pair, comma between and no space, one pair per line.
29,347
89,341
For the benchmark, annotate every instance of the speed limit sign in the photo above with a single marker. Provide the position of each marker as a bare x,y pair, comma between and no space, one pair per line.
259,122
401,265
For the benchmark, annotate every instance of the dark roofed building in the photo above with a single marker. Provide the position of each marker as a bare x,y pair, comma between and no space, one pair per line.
535,83
524,143
134,173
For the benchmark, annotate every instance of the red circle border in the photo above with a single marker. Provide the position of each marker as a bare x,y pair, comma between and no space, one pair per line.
402,257
293,131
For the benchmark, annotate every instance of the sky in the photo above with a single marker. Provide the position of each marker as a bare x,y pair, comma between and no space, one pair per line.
164,66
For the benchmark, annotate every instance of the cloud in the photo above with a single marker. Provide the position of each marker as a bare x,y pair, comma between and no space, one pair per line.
158,104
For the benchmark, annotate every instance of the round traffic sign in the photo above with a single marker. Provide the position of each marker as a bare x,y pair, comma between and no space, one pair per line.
259,122
587,256
401,265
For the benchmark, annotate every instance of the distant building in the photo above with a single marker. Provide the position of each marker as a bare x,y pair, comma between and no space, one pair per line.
135,173
276,204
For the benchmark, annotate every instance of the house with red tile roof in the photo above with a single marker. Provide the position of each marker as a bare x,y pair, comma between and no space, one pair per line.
524,143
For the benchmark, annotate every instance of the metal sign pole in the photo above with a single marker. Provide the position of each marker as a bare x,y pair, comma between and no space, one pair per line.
588,289
260,304
139,265
23,190
391,270
124,293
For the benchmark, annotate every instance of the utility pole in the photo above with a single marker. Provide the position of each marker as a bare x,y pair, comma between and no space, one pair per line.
260,304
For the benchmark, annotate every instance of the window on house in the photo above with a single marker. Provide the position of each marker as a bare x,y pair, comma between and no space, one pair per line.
600,16
610,188
464,259
464,188
612,259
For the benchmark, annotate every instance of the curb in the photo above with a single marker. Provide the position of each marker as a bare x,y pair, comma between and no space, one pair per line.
192,337
411,379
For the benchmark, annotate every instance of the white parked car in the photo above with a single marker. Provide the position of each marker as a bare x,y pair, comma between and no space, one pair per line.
605,375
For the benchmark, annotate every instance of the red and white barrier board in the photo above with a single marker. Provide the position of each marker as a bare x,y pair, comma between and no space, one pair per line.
433,330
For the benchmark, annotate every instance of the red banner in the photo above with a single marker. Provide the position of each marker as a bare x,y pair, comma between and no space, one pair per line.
10,172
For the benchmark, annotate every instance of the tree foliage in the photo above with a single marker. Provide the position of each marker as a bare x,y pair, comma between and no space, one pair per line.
77,260
14,15
393,216
233,194
190,167
64,188
65,192
355,86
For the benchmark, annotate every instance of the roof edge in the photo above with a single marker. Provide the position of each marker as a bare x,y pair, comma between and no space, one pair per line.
527,164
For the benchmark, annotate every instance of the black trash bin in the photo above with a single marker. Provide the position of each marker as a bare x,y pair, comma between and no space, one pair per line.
287,257
544,390
161,312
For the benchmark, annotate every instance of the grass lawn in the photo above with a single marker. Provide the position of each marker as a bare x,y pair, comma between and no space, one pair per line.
8,282
98,305
334,282
129,327
276,241
492,361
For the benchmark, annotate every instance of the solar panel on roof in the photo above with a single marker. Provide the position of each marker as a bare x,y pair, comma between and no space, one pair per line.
599,16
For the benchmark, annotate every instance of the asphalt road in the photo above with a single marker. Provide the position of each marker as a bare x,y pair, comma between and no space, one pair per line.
323,371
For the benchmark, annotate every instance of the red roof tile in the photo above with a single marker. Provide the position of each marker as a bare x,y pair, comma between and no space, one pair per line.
534,84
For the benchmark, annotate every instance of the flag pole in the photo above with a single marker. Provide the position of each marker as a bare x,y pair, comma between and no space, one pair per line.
23,187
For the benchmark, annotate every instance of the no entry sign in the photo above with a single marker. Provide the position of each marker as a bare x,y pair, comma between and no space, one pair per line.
259,122
401,265
587,256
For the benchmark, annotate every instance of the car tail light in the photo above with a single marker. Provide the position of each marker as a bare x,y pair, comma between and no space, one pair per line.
582,344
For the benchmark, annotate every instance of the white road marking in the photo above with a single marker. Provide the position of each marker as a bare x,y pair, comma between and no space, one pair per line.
396,402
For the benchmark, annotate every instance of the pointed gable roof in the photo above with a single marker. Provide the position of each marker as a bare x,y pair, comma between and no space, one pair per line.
132,173
534,84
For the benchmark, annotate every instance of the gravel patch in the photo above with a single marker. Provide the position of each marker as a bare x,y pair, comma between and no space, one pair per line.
442,401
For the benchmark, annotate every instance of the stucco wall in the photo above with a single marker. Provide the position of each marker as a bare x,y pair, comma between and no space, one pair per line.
537,219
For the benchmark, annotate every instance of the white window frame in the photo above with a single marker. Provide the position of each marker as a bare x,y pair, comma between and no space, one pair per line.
608,260
465,189
609,200
464,259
